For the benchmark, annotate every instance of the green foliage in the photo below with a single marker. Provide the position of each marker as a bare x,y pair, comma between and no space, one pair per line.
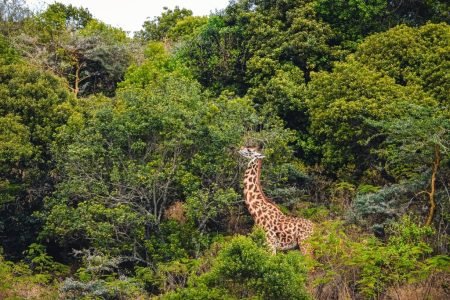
17,281
168,276
136,184
339,117
37,97
173,241
123,162
356,19
156,68
12,15
99,279
416,150
91,55
15,142
353,19
8,54
101,54
96,27
253,41
376,265
33,104
412,56
205,205
315,214
245,270
375,208
66,16
214,56
109,228
42,263
168,25
282,94
186,28
400,260
367,188
412,141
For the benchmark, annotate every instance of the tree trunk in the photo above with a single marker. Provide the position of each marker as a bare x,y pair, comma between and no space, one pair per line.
432,193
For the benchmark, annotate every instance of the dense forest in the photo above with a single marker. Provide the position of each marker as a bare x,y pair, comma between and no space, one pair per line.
120,176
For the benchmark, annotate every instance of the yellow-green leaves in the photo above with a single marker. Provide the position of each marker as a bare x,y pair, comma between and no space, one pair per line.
412,56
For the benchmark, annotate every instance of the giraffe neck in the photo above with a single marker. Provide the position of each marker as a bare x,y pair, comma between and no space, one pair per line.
252,186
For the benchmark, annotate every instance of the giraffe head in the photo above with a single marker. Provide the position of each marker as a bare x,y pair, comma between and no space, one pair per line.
250,153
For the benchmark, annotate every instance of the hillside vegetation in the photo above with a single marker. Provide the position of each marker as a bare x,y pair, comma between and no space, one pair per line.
119,171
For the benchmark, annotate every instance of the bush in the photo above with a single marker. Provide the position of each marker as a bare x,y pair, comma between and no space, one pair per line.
122,288
17,281
100,278
244,269
365,266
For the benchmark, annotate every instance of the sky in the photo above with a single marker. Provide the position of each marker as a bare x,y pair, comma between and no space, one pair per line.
131,14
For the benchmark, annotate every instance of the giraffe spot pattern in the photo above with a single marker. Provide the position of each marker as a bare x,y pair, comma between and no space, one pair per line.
283,232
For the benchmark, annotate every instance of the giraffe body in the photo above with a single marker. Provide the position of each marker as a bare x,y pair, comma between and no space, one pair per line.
282,232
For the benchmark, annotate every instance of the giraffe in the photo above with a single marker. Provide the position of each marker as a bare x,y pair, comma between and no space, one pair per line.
282,232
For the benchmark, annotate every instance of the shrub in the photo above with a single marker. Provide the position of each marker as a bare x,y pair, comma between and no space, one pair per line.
244,269
365,266
100,278
17,281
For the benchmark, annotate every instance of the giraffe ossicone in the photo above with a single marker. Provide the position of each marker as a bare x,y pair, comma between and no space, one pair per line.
282,232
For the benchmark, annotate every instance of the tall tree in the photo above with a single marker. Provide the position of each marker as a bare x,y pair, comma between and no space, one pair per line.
66,40
249,41
12,15
159,29
338,115
412,56
354,20
418,145
33,105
